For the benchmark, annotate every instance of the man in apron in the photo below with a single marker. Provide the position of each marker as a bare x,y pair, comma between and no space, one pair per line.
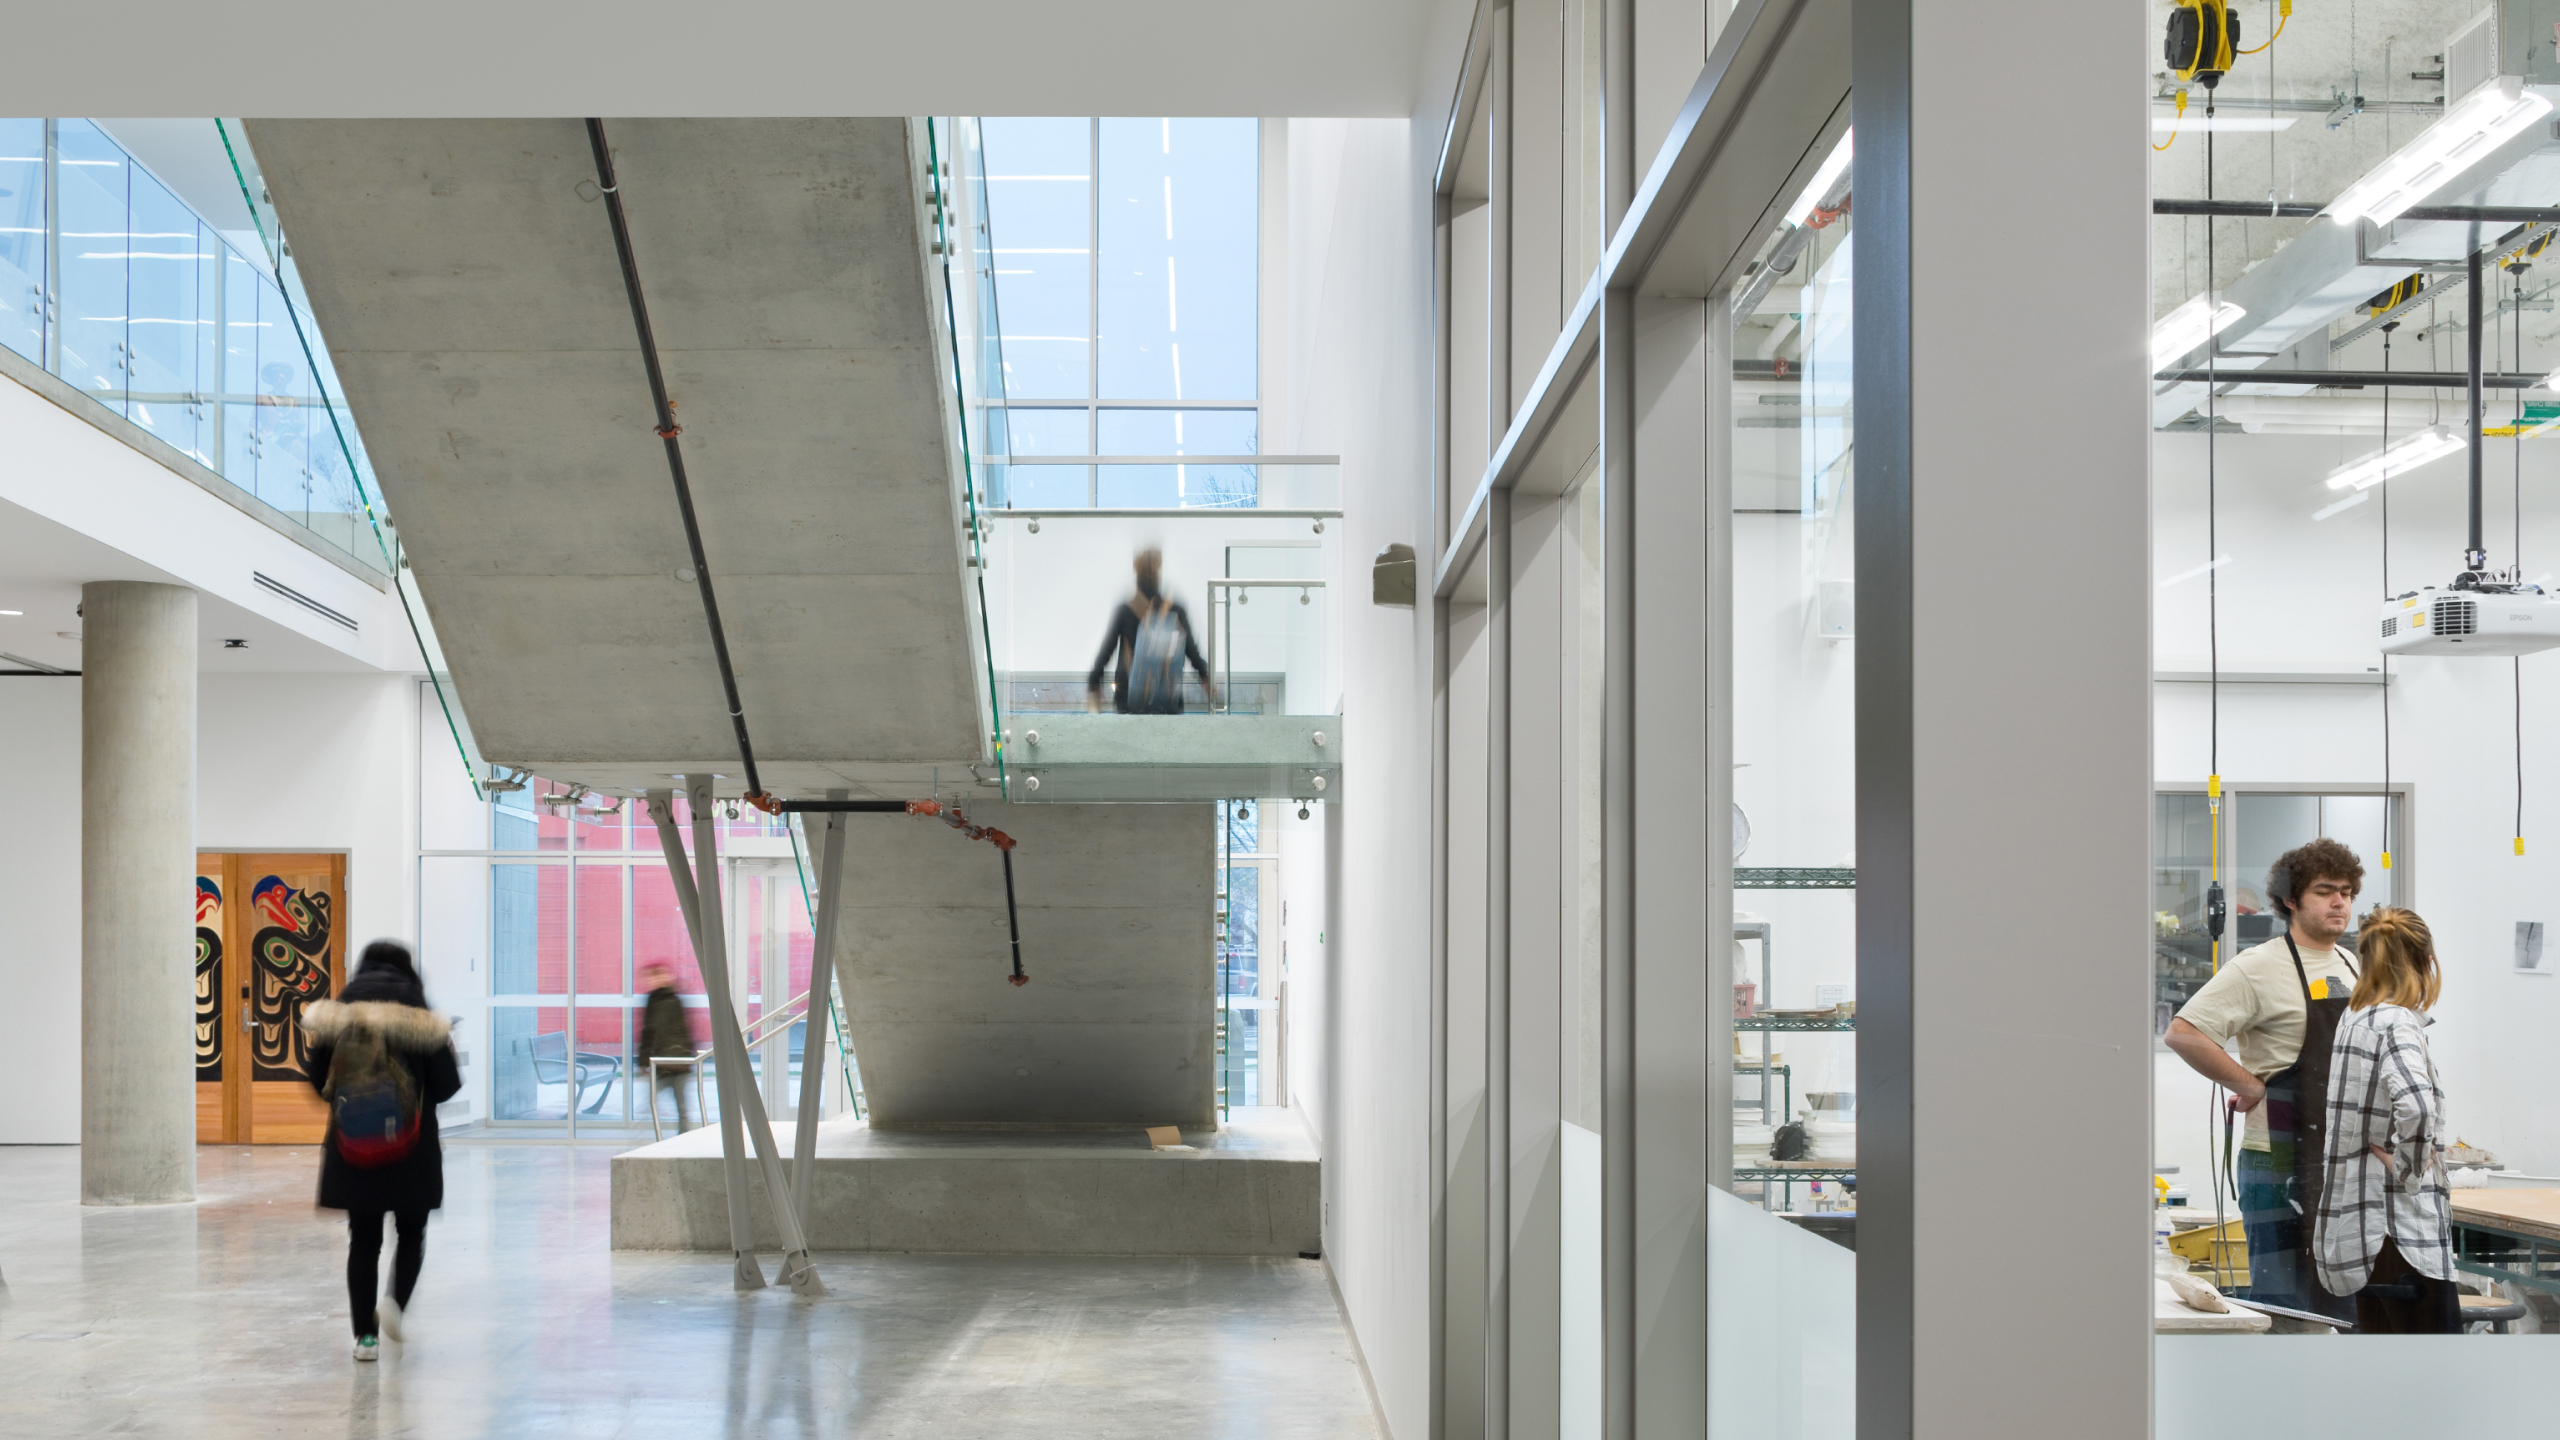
2278,1004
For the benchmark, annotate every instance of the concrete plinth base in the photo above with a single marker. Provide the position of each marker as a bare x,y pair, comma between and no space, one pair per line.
1250,1189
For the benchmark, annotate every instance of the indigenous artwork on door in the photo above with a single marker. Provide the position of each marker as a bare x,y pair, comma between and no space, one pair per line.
208,980
291,957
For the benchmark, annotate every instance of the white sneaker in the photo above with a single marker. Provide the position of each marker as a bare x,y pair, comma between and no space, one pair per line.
366,1349
386,1314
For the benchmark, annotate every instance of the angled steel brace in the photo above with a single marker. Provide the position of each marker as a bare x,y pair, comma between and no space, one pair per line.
804,1138
742,1244
711,950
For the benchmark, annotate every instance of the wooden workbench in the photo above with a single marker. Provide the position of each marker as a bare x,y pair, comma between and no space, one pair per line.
2518,1212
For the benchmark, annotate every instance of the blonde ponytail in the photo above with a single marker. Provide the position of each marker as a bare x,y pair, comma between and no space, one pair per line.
2399,955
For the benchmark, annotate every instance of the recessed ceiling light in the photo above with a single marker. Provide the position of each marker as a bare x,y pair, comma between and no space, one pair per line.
235,644
12,612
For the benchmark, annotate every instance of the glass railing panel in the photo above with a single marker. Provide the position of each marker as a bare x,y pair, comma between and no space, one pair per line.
23,242
113,282
89,246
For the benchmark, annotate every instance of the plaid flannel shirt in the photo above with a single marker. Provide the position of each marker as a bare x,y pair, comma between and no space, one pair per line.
2382,1092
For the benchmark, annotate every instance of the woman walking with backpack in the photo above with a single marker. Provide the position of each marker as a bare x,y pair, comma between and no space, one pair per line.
383,1061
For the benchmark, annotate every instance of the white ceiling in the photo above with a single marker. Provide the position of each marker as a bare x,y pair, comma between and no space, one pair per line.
300,59
43,564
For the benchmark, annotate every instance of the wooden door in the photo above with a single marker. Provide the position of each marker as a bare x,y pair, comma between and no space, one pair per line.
217,1121
276,945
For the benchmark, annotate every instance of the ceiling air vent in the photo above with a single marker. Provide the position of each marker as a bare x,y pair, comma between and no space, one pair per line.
2455,617
274,586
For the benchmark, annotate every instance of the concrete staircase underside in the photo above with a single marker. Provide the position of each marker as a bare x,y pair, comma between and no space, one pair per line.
1252,1188
465,276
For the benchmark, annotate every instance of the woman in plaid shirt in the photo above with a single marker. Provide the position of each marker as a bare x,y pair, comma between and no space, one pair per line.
2383,1234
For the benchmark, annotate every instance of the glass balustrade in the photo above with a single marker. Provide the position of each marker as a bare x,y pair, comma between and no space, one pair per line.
1057,514
122,290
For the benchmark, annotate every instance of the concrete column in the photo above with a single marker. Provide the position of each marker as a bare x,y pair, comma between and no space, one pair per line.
137,888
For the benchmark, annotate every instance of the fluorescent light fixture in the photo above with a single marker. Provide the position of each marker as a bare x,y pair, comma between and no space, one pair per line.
2398,458
2189,326
2183,576
2473,126
2246,124
1823,179
2551,381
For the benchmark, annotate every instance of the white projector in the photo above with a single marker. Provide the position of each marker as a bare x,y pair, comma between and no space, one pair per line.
2470,622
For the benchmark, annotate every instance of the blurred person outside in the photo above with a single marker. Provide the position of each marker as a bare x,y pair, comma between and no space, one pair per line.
2278,1004
383,1061
665,1034
1151,636
2383,1232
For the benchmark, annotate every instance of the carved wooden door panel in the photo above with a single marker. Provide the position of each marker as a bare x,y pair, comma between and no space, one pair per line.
270,940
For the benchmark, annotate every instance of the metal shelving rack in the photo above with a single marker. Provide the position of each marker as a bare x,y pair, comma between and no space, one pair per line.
1790,877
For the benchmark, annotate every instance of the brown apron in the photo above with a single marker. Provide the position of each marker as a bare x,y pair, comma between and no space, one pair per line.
2298,1115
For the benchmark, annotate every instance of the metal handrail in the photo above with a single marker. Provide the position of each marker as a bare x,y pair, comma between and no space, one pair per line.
774,1021
1228,679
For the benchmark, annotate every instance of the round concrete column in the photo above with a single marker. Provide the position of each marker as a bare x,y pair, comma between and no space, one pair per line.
137,893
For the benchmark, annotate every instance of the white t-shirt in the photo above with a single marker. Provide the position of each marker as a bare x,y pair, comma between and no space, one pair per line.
2254,1004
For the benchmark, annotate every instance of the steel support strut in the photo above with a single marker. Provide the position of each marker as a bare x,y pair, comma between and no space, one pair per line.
804,1135
713,952
750,1271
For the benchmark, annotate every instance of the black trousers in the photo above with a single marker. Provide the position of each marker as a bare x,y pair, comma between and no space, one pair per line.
2436,1310
364,1262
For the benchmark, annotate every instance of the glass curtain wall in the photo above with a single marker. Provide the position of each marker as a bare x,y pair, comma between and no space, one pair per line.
579,912
1127,256
1783,1260
115,285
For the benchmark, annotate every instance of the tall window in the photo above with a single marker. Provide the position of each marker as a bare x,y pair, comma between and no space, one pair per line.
1126,264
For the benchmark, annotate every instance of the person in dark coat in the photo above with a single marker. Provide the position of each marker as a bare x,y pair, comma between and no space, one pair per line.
664,1033
384,1003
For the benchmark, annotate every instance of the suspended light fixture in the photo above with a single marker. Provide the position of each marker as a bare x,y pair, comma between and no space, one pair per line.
2398,458
2478,123
2189,326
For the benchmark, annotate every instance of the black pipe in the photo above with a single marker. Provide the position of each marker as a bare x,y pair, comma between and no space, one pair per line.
2357,379
2268,210
1013,921
2475,557
668,430
844,807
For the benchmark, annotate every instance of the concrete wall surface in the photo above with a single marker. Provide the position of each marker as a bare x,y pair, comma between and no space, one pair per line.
1118,940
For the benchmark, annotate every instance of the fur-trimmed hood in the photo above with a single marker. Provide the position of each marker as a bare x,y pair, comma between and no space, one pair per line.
403,1027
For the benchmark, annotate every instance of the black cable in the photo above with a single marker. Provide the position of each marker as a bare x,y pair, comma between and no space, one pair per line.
1013,921
668,430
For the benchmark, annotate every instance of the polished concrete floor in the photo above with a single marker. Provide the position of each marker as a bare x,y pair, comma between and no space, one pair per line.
227,1318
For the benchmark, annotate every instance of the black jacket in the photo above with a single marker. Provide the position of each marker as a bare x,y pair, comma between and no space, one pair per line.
391,1005
663,1030
1123,639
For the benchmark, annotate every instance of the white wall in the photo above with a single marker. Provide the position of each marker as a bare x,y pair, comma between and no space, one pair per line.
1360,379
292,762
2299,590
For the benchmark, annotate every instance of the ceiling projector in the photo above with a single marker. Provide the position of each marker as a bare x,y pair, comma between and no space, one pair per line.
2500,620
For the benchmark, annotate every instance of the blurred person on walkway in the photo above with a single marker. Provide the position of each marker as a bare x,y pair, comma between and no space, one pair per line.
666,1034
1152,636
2384,1234
383,1061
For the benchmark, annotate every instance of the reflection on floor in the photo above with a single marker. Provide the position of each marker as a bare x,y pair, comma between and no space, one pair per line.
227,1318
